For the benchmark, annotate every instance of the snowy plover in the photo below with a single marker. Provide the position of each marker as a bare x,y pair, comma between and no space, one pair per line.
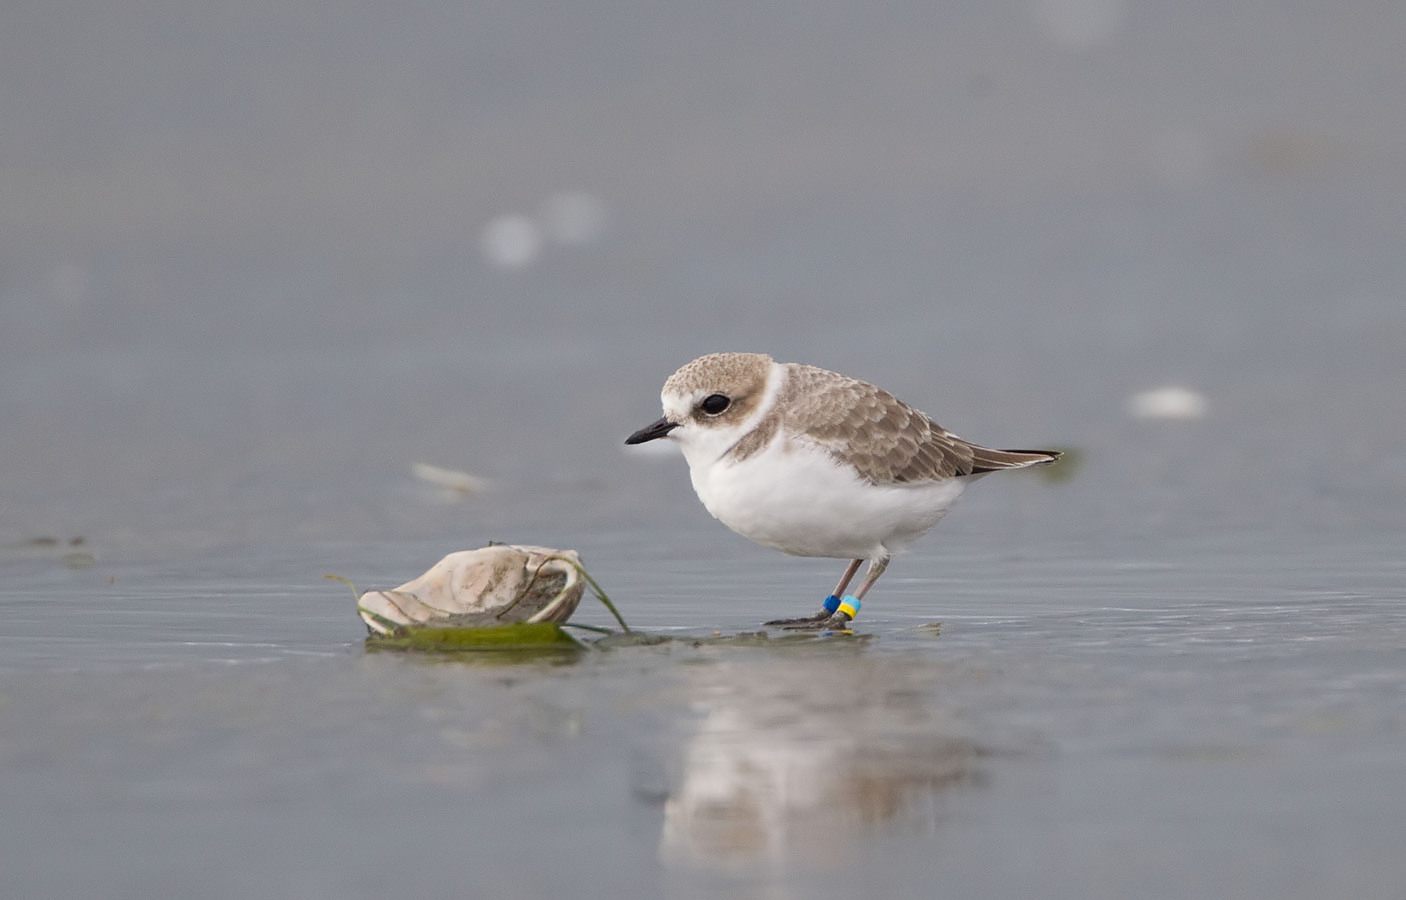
814,463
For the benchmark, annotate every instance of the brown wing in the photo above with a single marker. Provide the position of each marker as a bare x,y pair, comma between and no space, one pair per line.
885,439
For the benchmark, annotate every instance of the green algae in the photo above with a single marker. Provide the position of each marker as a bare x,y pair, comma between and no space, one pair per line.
519,637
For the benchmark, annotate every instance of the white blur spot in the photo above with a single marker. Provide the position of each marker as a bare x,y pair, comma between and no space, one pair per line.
511,241
573,217
459,483
1167,403
1078,24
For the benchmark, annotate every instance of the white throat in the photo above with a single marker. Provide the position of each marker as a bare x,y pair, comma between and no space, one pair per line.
705,443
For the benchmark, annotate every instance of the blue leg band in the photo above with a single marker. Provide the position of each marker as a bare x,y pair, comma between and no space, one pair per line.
832,603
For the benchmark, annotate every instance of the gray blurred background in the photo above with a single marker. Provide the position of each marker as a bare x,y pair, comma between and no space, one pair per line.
258,258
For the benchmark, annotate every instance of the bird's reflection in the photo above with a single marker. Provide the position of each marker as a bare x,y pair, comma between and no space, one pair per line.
795,754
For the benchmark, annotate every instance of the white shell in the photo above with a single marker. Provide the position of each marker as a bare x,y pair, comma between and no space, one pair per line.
496,585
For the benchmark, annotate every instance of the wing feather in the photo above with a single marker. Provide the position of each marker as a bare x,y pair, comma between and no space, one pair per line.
886,440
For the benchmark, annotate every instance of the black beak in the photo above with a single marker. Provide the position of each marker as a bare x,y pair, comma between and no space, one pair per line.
652,431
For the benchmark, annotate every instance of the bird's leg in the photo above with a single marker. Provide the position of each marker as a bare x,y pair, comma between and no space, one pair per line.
832,602
849,605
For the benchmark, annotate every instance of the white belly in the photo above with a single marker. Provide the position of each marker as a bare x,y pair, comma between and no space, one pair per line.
794,498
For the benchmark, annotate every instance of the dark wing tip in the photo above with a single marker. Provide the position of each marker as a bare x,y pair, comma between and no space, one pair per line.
987,460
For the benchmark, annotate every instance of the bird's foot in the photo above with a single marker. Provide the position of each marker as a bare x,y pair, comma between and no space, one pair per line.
833,622
836,616
804,621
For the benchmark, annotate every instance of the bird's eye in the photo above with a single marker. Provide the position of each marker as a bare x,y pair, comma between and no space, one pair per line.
714,404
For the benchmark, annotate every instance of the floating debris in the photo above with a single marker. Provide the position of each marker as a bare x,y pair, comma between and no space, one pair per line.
46,541
461,484
496,585
71,552
1168,403
499,597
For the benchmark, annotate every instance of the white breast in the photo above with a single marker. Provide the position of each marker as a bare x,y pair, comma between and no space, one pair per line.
797,498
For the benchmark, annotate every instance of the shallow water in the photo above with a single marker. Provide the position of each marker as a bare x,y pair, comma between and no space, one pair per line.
1166,724
242,293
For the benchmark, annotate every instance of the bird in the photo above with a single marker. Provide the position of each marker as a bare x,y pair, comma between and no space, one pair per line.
814,463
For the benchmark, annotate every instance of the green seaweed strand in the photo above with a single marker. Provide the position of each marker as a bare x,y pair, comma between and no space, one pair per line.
600,594
347,581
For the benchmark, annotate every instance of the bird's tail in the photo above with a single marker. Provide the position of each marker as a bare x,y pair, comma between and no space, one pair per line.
985,459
